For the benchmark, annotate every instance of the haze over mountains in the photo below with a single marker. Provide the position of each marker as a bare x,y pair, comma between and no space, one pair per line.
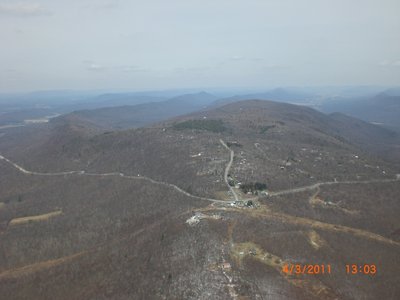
371,104
212,202
381,109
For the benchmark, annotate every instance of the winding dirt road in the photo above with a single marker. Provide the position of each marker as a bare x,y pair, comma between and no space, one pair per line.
319,184
84,173
228,167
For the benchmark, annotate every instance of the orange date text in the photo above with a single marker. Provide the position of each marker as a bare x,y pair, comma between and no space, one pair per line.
309,269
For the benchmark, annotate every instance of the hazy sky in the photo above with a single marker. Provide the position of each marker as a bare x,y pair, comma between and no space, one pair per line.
151,44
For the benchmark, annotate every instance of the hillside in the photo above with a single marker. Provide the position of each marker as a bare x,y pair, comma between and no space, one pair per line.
212,204
131,116
375,139
278,94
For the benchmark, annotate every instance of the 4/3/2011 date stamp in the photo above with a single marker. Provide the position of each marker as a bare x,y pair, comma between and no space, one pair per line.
311,269
320,269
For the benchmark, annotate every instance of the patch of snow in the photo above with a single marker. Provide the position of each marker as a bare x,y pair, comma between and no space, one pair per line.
193,220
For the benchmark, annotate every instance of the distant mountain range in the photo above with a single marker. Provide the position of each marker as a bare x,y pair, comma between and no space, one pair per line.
371,104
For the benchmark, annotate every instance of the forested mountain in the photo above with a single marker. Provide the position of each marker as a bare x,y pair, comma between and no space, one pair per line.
211,204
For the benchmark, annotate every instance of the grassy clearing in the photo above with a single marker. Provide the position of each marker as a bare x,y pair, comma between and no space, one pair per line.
222,195
208,125
239,251
315,240
318,201
2,204
37,218
264,129
264,212
40,266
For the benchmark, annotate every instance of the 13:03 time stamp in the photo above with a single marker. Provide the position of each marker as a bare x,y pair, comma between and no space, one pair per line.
367,269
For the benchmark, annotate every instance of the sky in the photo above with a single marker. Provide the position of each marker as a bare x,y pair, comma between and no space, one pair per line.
159,44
